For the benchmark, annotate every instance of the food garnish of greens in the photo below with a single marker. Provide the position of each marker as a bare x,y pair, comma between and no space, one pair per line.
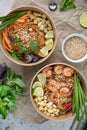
11,84
10,18
27,35
79,99
66,4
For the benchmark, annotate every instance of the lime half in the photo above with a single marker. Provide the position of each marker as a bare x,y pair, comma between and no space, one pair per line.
43,52
36,84
38,91
49,34
41,78
49,44
83,19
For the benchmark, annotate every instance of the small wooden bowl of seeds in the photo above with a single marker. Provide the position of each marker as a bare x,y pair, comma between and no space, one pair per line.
74,48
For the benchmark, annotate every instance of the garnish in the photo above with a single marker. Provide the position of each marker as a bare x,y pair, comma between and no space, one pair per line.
79,99
34,45
10,85
10,18
22,48
66,4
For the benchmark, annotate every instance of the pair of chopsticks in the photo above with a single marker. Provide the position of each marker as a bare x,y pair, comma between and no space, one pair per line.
76,125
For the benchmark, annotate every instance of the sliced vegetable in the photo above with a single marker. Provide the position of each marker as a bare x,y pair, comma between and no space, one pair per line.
37,84
49,34
49,44
38,91
43,52
41,78
83,19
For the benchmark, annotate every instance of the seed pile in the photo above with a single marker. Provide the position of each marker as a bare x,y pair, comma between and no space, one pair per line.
75,48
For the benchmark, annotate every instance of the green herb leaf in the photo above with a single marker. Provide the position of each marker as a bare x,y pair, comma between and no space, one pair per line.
66,4
18,89
5,90
18,82
34,45
16,55
3,111
23,49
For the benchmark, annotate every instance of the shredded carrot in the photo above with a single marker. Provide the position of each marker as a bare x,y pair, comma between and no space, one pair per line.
4,35
5,46
23,18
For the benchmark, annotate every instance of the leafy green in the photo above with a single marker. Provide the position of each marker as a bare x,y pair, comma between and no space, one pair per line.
11,84
16,55
22,48
5,90
66,4
17,81
34,45
79,99
7,21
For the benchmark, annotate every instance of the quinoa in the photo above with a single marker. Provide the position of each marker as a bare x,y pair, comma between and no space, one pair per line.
75,48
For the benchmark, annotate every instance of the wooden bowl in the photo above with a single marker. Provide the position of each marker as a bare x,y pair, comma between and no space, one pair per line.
69,114
7,54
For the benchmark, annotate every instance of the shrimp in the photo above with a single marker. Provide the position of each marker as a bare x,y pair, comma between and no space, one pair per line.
54,97
58,69
64,90
67,71
47,71
52,85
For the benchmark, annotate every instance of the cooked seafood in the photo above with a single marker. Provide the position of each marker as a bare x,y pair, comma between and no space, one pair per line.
58,90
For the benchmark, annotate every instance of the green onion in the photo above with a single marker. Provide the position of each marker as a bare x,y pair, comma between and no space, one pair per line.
79,99
11,20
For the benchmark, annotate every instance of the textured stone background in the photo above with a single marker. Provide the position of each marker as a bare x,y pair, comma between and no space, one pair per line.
66,24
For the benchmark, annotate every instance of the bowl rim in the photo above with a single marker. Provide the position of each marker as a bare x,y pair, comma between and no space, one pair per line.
70,114
64,42
38,9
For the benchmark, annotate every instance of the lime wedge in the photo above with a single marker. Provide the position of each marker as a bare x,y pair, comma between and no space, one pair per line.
83,19
38,91
36,84
43,52
41,78
49,34
49,44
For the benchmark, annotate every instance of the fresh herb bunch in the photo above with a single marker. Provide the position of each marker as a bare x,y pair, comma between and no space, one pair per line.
79,99
10,18
66,4
10,85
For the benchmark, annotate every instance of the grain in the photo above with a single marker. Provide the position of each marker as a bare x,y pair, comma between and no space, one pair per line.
75,48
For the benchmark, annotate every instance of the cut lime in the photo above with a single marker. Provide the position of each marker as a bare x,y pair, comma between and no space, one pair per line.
43,52
49,34
37,84
83,19
49,44
38,91
41,78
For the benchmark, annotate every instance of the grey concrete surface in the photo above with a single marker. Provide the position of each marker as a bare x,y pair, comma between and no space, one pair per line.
14,123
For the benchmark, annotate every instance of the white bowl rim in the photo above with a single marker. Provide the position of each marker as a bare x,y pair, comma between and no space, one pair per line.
64,41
